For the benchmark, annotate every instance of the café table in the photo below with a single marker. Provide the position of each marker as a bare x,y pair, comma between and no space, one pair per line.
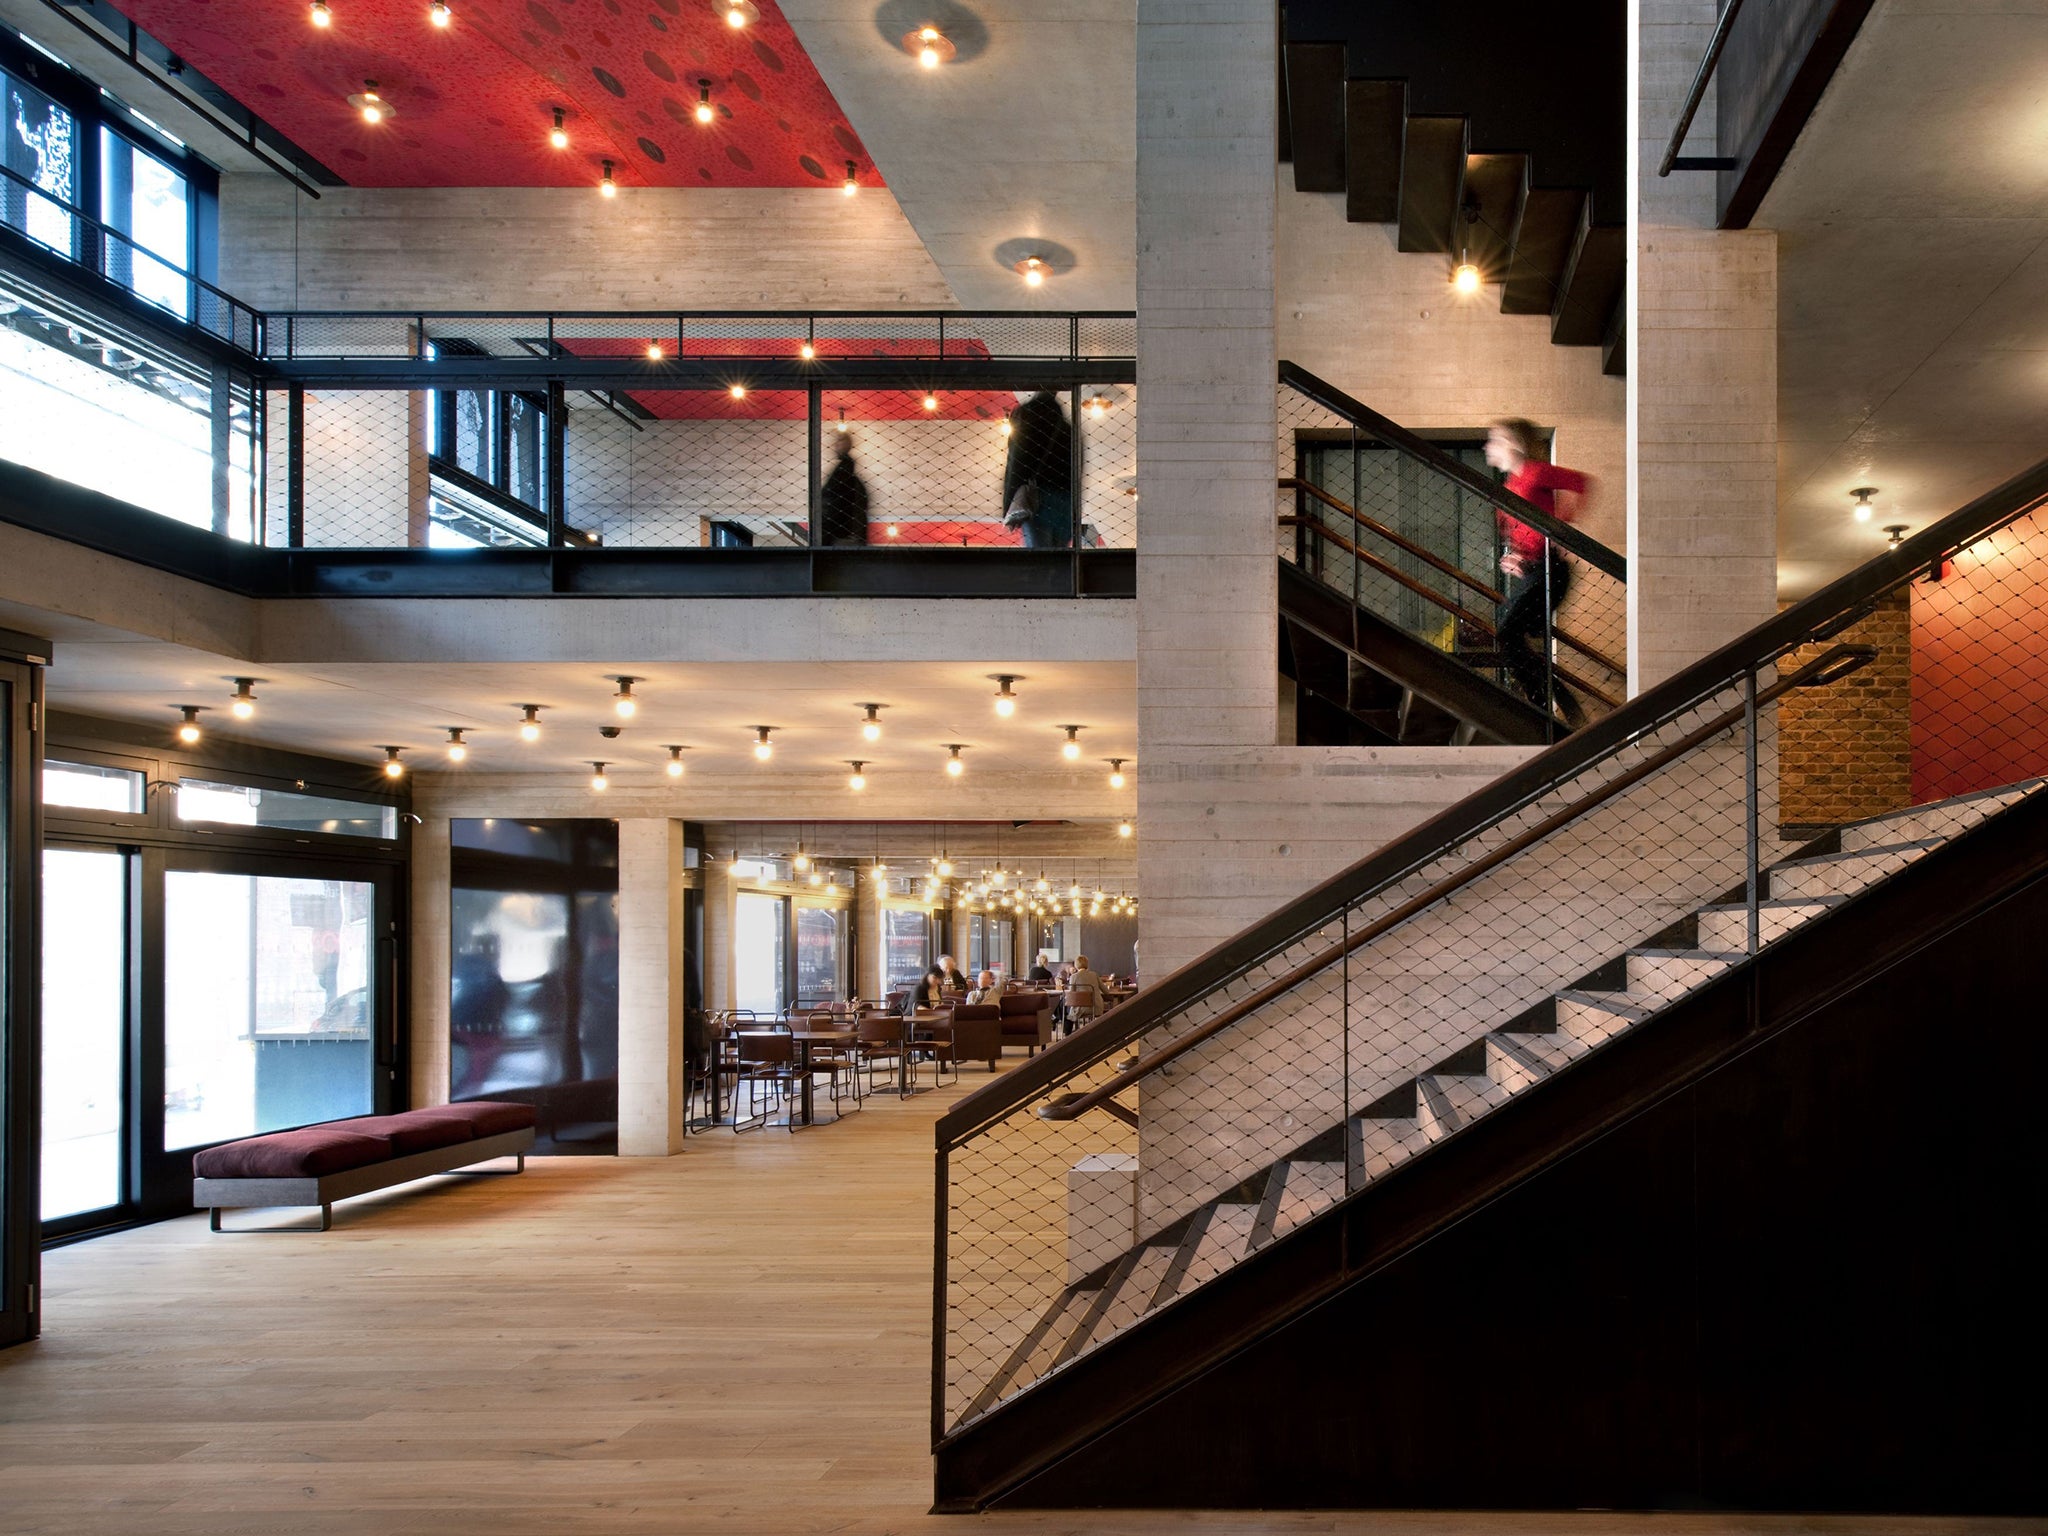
804,1040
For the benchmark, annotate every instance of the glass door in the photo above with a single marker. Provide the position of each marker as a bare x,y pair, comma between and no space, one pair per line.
277,995
761,953
20,837
85,1072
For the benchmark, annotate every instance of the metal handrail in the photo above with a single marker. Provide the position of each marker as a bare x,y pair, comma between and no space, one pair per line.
1382,429
1830,667
1491,594
1723,26
1824,613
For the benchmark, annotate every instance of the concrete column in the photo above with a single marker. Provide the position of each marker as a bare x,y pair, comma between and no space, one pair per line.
1207,598
718,917
1702,377
867,952
650,987
431,942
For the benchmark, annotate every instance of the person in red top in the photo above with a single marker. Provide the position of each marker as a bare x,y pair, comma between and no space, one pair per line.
1536,584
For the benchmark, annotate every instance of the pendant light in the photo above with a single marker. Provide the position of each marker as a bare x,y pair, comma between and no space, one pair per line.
852,183
319,14
606,185
1124,828
439,14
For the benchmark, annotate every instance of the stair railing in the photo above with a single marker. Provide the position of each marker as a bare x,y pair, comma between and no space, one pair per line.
1326,1046
1415,536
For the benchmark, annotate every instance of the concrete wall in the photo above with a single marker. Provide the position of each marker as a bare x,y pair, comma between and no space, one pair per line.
513,248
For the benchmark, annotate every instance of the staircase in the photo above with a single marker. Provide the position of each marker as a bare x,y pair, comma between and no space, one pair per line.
1593,1145
1473,1081
1391,594
1483,133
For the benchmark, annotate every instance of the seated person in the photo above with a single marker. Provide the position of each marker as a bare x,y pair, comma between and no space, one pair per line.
928,991
990,989
950,974
1085,980
1041,969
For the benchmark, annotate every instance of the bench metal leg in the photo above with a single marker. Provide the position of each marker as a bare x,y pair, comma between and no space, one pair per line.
326,1223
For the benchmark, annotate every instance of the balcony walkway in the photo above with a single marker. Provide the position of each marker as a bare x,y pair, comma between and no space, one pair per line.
735,1339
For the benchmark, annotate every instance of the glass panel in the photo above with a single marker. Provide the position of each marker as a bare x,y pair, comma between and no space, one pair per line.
758,952
818,947
90,787
42,147
906,947
523,449
150,203
85,1005
473,432
267,1003
244,805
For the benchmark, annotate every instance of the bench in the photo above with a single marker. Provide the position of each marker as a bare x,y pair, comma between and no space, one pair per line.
320,1164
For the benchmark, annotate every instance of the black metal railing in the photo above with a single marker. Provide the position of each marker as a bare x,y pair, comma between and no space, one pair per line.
1335,1042
1415,536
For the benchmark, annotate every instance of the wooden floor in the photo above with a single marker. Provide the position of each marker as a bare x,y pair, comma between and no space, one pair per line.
735,1339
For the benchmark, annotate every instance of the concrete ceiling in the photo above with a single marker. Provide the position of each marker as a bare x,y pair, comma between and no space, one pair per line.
1025,143
1913,278
348,711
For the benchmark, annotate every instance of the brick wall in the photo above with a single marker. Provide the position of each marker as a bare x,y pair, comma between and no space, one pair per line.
1845,752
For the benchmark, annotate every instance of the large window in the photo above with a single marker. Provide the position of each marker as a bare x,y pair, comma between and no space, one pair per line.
489,457
906,946
268,1008
85,1026
151,204
760,960
820,952
246,805
43,151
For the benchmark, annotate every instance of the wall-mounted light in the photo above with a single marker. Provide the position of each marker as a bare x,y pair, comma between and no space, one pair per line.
871,727
319,14
623,702
852,183
1116,773
1862,510
858,779
439,14
598,779
188,728
393,768
529,724
1006,697
458,749
763,747
674,766
1465,277
607,185
705,112
1070,749
954,766
559,134
243,704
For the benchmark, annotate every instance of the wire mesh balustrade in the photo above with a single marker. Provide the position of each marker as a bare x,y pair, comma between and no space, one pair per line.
1373,1019
1415,531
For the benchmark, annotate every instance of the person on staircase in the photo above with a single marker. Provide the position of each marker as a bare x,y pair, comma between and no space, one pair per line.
1536,585
1038,477
843,501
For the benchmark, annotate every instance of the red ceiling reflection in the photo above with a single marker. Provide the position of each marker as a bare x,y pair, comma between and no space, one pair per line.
472,103
850,405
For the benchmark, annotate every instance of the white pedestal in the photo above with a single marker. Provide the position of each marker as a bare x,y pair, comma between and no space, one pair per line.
1102,1211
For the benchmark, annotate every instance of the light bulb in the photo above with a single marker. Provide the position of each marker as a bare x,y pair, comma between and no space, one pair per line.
735,17
654,352
945,869
802,861
598,781
529,727
458,749
840,425
319,14
1465,278
607,186
852,183
439,14
763,748
807,351
816,878
1007,429
871,728
623,701
188,731
559,134
704,110
954,766
928,53
1116,773
243,705
931,402
737,391
1070,749
1034,272
393,768
674,766
1006,701
858,779
372,103
1123,829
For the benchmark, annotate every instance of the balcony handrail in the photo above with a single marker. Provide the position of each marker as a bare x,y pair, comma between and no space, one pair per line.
1819,617
1830,667
1560,533
1724,25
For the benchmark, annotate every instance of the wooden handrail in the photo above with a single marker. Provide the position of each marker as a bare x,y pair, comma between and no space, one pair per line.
1830,667
1469,617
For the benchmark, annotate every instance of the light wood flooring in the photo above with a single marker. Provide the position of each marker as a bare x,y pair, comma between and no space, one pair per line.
733,1340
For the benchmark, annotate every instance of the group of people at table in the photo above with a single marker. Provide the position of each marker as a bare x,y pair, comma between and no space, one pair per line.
842,1040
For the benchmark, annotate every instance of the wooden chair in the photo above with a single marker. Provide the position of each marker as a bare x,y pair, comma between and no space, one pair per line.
1082,1006
880,1037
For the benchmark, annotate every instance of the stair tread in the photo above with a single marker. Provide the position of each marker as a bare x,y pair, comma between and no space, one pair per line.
1311,1187
1629,1005
1134,1297
1553,1051
1851,855
1226,1235
1378,1144
1777,903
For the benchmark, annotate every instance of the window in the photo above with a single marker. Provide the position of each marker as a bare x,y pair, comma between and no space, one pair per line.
268,1003
85,1025
245,805
151,204
90,787
906,946
760,929
820,947
43,157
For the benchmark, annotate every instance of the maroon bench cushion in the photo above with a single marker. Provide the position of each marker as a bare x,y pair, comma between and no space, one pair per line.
484,1117
312,1153
412,1132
